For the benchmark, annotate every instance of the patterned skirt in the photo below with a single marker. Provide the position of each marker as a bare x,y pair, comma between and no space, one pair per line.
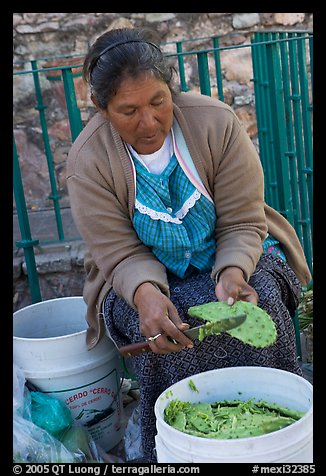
279,291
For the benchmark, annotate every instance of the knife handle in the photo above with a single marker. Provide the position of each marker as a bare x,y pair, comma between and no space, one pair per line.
134,349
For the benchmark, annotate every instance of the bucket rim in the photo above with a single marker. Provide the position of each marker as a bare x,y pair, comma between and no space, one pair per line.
246,368
46,302
40,339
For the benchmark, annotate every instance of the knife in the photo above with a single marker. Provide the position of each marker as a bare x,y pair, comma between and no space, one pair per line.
220,326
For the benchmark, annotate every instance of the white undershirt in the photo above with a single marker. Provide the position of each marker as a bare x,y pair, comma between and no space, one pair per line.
156,162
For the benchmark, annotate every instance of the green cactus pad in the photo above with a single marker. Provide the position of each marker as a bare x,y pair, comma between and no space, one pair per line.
258,330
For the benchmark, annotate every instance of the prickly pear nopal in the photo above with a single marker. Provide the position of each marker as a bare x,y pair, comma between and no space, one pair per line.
257,330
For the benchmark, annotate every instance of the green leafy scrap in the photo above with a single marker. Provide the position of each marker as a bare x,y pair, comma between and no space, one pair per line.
192,386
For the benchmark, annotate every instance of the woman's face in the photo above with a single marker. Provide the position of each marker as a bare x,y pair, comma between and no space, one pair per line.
142,113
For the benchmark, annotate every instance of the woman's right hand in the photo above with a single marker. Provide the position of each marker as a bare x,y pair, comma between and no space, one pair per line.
158,315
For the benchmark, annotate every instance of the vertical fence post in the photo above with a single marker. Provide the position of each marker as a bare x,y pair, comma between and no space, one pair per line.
265,129
40,107
278,124
26,242
298,127
183,82
311,51
203,72
75,121
291,150
218,69
260,116
306,121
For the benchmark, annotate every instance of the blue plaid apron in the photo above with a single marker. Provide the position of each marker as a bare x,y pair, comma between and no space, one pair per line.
174,219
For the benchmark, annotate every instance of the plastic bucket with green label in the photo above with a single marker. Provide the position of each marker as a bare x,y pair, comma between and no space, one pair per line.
50,347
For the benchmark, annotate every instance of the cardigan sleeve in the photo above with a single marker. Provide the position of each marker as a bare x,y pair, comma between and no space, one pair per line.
104,223
239,199
230,169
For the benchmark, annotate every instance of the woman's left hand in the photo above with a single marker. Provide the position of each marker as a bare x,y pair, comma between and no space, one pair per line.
231,284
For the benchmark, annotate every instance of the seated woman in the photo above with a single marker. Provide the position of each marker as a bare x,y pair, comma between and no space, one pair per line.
167,191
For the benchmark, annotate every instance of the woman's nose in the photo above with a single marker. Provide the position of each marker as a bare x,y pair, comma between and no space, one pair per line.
147,119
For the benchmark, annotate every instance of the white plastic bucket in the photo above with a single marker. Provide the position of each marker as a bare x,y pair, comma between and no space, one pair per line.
50,347
292,444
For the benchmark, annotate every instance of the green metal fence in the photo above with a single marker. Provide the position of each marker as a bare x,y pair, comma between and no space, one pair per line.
284,105
282,76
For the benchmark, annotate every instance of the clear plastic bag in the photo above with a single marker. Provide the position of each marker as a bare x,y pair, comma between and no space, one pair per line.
132,438
34,444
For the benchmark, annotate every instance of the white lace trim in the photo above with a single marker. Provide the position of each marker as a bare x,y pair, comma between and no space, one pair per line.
188,204
166,217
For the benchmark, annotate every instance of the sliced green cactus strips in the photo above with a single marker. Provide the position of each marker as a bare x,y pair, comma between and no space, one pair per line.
258,330
229,419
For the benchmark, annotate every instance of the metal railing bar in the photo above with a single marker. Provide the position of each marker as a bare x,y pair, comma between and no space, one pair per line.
183,82
203,73
218,68
74,116
183,53
185,40
54,196
270,133
304,206
45,70
231,47
306,121
27,243
50,58
278,125
290,152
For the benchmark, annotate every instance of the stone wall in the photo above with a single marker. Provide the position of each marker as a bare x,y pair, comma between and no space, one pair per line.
49,34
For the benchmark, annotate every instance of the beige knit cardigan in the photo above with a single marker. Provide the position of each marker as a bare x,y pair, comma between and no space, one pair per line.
102,195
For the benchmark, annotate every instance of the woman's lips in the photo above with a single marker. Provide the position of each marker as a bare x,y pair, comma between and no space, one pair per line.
149,139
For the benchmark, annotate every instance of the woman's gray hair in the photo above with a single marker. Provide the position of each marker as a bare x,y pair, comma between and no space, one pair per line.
120,54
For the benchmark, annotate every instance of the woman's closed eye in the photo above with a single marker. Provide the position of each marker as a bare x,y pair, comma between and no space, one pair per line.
129,112
157,102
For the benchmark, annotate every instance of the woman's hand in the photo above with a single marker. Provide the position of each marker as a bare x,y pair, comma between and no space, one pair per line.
158,315
231,284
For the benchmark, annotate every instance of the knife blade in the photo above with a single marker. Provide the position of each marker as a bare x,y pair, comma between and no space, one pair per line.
223,325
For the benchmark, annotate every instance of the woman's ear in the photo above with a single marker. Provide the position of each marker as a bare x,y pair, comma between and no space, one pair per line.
98,107
95,102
